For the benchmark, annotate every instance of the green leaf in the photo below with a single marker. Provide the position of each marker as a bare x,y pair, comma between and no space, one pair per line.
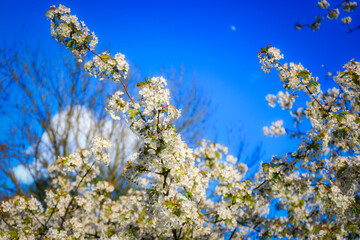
70,44
356,211
13,233
169,204
151,192
339,117
112,73
227,196
304,74
132,232
48,13
51,210
203,172
344,74
342,169
105,57
313,83
88,39
27,220
26,228
275,176
141,83
343,113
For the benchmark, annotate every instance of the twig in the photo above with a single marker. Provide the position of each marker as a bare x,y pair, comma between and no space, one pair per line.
52,213
232,234
72,199
5,221
260,185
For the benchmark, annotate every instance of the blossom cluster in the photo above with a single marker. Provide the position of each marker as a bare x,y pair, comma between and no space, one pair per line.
269,58
74,203
106,66
67,30
285,100
276,129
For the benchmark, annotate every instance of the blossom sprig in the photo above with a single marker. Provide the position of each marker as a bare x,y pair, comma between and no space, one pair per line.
294,76
67,30
269,57
332,13
116,105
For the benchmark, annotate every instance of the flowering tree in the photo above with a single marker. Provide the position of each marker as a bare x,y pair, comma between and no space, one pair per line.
183,193
170,198
332,13
58,108
317,186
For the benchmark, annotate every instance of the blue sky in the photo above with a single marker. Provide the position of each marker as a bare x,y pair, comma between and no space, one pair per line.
199,34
